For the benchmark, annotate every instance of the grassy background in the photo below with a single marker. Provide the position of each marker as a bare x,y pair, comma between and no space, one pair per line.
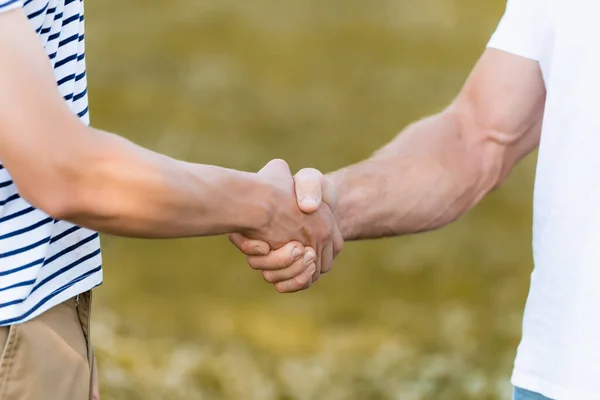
323,84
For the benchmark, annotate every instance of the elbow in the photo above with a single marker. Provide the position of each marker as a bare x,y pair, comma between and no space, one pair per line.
485,160
489,162
481,149
63,203
54,175
58,205
59,192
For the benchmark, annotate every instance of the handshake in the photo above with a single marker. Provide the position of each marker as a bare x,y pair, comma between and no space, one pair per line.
301,238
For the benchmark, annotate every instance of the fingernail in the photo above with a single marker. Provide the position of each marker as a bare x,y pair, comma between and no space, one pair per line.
311,270
296,253
309,257
308,200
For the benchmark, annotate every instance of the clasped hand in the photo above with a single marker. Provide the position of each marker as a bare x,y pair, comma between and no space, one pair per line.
301,239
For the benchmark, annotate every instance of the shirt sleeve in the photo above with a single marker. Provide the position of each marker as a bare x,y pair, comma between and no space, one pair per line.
7,5
520,30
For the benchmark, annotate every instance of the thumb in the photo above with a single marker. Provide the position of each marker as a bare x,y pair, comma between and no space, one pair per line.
309,189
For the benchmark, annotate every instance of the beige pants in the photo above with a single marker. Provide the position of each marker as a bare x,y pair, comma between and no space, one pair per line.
49,357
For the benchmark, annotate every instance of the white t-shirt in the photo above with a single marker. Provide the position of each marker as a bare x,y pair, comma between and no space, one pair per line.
559,355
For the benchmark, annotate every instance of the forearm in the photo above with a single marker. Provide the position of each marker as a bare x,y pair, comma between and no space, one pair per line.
99,180
117,187
424,179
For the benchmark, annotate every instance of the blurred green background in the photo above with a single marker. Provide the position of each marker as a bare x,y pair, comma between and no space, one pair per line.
323,84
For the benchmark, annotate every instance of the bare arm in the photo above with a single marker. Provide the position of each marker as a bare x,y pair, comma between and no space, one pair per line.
440,167
434,171
100,180
105,182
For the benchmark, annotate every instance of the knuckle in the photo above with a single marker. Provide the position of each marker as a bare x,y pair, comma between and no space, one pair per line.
246,247
321,232
231,238
281,287
282,261
301,280
268,276
258,250
325,226
325,239
299,268
279,162
253,263
290,286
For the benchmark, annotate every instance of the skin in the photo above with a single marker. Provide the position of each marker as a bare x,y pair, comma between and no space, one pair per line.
312,190
427,177
102,181
438,168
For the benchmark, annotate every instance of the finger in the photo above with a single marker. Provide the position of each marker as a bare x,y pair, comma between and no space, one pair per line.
249,247
309,185
297,283
277,259
330,193
326,260
318,265
297,268
338,242
276,169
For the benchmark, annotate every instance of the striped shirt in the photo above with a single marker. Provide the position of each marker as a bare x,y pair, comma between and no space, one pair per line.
44,261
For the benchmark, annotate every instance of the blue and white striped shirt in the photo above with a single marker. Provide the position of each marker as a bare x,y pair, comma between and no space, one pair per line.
44,261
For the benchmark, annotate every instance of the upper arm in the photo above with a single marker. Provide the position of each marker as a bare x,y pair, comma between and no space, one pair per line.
500,109
37,128
501,105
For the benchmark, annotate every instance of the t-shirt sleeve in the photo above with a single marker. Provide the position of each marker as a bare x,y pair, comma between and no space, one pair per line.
7,5
520,30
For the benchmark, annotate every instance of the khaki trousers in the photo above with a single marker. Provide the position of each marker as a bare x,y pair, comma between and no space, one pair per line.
49,357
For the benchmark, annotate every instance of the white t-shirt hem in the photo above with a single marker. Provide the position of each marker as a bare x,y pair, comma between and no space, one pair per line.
554,392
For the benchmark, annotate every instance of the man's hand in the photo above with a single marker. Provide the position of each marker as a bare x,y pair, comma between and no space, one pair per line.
290,267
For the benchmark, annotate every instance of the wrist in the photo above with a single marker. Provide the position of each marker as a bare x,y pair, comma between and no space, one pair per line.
339,181
259,202
358,196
